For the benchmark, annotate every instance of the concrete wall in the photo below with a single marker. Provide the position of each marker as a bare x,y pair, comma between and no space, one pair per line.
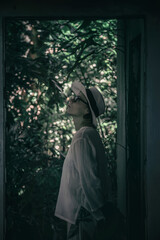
111,9
153,126
1,138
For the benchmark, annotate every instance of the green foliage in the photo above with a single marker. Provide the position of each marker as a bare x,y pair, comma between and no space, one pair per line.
43,57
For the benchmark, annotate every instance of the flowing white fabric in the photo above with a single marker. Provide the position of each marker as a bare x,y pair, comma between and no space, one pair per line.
84,177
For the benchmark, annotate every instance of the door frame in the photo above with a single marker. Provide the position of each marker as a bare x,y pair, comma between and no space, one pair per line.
122,146
129,30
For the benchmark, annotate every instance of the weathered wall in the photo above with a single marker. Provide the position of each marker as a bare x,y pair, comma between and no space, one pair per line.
84,8
153,126
62,8
1,138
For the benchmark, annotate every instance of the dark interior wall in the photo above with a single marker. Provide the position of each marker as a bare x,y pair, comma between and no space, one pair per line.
85,8
1,139
153,126
121,8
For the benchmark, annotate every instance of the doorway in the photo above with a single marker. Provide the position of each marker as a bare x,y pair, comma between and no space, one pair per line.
130,137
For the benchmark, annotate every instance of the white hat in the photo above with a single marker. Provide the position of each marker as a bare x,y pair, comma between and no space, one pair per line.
94,98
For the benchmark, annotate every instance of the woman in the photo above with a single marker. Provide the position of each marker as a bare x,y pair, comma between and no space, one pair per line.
83,188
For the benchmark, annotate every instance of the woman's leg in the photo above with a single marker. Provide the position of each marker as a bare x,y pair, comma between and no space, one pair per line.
82,230
72,231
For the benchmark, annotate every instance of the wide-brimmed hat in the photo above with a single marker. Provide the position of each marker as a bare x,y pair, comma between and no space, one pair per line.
94,98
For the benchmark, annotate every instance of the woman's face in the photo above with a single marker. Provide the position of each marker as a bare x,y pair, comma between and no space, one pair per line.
77,106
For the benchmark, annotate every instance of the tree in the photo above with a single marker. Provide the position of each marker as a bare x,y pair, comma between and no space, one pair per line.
43,58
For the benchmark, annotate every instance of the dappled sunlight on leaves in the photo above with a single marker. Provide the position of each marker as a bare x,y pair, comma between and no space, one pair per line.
43,58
